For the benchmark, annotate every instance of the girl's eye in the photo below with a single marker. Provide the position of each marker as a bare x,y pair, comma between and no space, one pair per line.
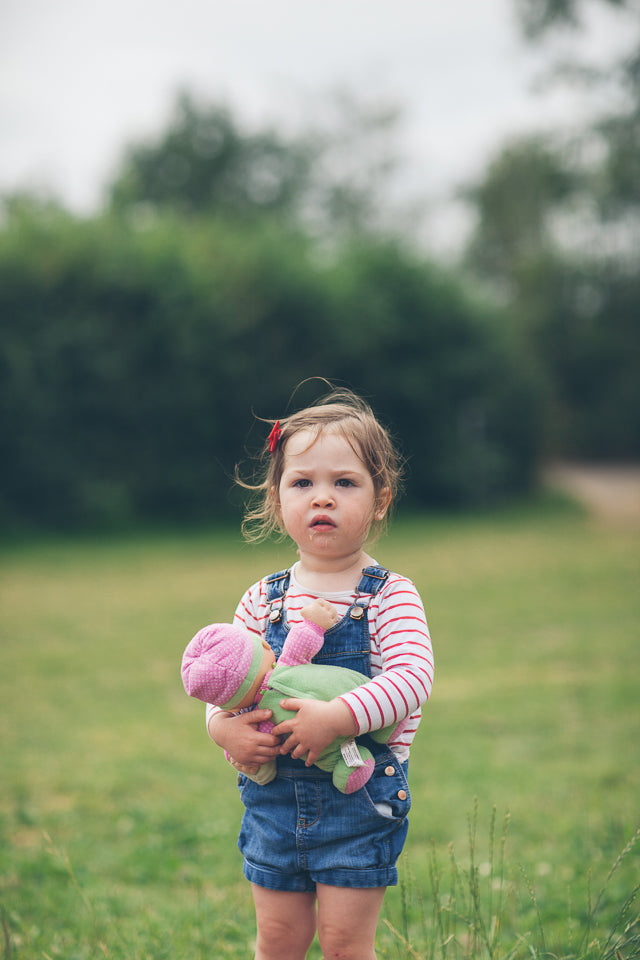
344,482
303,482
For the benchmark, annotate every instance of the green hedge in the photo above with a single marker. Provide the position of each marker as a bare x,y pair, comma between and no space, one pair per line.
133,357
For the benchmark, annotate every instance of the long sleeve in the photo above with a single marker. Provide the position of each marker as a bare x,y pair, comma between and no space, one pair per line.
402,660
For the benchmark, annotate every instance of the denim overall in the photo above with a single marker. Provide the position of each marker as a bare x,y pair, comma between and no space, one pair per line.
298,829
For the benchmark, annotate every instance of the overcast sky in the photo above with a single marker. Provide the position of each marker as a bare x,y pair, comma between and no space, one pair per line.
81,78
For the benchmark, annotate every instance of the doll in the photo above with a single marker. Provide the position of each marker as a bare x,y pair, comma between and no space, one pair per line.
233,669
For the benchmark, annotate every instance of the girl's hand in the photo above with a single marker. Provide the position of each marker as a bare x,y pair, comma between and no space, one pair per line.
315,725
238,734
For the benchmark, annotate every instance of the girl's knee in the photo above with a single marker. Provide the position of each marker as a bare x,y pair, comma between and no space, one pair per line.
286,923
279,938
338,945
347,921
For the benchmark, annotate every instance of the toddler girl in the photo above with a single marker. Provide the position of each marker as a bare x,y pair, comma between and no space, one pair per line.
319,859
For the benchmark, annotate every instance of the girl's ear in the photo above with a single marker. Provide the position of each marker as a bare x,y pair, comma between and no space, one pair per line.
383,502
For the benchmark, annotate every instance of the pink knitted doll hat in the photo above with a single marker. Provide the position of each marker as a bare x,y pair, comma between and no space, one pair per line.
220,664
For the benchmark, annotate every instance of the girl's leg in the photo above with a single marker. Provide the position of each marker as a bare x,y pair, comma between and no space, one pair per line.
286,923
347,921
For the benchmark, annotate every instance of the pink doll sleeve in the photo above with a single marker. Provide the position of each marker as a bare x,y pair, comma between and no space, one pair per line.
303,642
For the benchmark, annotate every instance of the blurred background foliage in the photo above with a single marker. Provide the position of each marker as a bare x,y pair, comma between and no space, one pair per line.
226,267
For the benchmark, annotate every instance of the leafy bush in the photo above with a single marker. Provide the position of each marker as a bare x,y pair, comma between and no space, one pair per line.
132,356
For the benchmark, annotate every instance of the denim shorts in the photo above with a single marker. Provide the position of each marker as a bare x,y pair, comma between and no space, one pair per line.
299,830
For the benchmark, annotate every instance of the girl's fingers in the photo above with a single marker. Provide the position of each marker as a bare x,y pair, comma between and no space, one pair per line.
255,716
293,703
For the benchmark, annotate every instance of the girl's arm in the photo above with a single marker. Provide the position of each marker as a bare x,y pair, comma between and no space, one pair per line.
402,660
238,733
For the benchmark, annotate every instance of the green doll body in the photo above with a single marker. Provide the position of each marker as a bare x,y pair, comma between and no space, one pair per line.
316,682
214,655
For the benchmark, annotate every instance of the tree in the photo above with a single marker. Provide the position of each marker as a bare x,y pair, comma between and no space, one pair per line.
130,362
605,153
539,16
203,163
331,178
515,202
558,232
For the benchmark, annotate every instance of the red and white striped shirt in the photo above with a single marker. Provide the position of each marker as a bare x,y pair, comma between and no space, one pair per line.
401,653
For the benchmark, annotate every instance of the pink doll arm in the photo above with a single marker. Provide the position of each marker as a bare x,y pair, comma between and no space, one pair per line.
305,639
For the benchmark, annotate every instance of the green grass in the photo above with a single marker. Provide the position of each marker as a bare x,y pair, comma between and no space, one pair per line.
118,818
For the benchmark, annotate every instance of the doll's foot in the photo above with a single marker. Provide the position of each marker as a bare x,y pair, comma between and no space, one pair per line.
400,727
359,776
259,774
390,733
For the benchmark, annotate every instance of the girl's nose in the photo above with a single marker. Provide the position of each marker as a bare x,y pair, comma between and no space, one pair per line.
322,498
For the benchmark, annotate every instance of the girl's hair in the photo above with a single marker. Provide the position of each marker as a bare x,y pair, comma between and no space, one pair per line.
341,411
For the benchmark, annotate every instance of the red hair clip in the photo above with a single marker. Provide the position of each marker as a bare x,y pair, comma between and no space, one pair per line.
274,436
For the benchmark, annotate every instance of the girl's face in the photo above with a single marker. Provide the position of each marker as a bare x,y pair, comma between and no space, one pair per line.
326,496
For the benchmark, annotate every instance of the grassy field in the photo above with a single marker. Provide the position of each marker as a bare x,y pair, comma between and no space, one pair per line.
119,818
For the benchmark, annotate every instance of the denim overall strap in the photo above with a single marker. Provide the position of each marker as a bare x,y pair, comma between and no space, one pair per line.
347,644
372,580
276,586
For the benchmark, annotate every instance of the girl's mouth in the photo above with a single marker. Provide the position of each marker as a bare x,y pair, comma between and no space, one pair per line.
322,523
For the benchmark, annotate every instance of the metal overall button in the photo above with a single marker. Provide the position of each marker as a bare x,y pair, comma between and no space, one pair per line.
357,611
275,612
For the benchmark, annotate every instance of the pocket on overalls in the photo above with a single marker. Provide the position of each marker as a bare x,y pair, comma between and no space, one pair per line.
388,789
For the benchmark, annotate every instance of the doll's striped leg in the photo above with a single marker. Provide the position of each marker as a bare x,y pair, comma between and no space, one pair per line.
349,779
